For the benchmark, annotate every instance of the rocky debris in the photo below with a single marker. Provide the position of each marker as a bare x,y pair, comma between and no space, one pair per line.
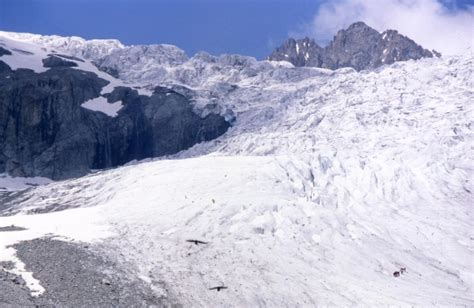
13,292
53,61
359,46
44,131
76,277
106,282
7,265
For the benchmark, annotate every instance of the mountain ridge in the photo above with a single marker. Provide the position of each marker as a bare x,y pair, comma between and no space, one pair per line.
359,46
61,117
207,82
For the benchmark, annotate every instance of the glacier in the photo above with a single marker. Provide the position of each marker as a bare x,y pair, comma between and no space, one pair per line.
326,184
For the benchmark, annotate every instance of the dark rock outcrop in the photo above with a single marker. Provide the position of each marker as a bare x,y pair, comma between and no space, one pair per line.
67,57
4,51
44,131
358,46
109,70
53,61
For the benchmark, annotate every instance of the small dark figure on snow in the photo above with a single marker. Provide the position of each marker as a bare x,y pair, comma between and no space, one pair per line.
218,288
196,242
398,273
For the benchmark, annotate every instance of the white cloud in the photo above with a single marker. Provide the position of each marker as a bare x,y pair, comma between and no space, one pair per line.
428,22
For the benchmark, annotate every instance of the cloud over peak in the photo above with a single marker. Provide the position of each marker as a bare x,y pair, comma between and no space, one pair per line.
429,22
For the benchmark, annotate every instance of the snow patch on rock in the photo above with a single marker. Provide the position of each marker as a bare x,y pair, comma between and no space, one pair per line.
102,105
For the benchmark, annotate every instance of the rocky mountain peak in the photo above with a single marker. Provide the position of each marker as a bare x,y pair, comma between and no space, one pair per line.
300,52
359,25
357,33
359,46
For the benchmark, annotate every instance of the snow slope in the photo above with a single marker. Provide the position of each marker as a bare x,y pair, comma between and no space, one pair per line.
27,52
327,183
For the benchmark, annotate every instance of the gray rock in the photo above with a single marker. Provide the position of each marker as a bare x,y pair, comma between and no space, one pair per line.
75,277
4,51
11,228
53,61
44,131
4,68
23,52
67,57
308,53
14,294
109,70
358,46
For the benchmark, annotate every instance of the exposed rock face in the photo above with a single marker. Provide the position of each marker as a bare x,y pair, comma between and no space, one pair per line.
53,61
4,51
359,47
44,131
303,52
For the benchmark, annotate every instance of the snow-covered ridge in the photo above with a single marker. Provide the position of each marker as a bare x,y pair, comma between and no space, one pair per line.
77,46
29,51
97,49
205,77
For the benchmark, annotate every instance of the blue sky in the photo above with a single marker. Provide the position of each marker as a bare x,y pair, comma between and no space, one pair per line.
250,27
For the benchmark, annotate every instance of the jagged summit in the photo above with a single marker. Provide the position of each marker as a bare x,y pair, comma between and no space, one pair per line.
359,46
358,25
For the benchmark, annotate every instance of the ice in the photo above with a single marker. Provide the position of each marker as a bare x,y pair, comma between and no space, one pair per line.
259,215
